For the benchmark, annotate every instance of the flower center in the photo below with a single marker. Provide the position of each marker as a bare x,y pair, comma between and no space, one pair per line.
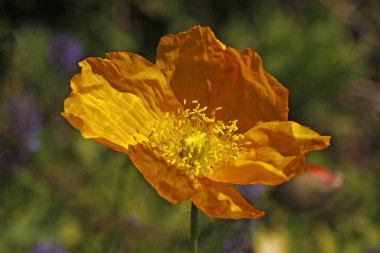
194,146
194,142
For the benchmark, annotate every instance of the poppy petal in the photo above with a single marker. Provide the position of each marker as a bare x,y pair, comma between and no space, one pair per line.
200,67
131,73
221,200
274,154
116,100
171,183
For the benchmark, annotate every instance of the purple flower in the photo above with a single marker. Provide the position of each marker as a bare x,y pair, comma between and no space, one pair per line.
227,244
48,247
65,51
21,112
240,239
251,192
18,132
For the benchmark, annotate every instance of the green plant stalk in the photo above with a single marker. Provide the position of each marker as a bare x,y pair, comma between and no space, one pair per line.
194,228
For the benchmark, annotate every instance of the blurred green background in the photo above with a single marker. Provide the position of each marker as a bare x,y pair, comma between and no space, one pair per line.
61,193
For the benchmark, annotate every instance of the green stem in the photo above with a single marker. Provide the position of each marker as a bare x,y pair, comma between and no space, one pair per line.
194,228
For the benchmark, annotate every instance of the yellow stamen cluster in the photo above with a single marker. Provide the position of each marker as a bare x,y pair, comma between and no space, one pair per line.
194,142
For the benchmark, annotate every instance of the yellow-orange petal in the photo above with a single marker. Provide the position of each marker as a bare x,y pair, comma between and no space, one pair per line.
221,200
115,101
131,73
276,153
200,67
170,182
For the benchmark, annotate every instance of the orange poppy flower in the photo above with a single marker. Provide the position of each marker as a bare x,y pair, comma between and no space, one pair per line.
205,116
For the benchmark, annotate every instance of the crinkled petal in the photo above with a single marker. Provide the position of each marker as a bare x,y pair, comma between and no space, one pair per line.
200,67
115,101
170,182
221,200
275,154
131,73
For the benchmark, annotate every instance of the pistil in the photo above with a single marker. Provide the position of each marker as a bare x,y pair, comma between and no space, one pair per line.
194,142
